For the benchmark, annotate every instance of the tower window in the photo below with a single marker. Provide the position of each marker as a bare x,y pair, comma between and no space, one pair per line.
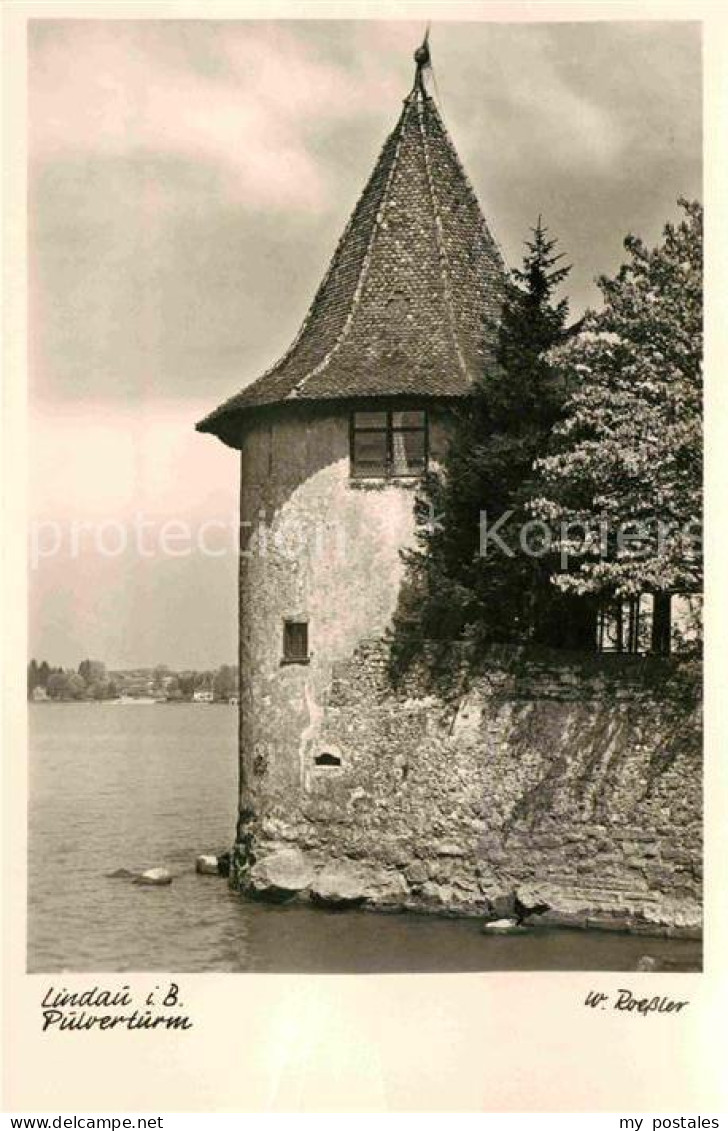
295,642
388,444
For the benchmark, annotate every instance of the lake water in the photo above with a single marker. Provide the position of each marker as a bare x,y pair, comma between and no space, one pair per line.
116,786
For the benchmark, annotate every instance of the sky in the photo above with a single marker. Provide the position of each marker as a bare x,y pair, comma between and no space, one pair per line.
188,183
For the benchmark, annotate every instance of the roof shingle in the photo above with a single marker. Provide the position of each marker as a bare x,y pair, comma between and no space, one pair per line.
412,297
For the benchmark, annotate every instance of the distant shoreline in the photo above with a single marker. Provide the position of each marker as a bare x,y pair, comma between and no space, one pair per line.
133,702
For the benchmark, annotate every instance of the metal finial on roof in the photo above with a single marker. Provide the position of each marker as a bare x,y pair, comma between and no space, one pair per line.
422,59
417,231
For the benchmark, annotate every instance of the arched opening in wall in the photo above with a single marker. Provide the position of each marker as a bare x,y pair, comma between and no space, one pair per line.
326,758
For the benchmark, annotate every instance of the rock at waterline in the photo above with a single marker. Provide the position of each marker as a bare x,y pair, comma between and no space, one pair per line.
529,902
510,905
647,964
339,885
503,927
154,877
504,906
208,864
121,874
280,876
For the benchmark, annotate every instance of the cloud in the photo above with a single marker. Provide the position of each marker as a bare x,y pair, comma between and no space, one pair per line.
246,97
531,109
187,174
89,463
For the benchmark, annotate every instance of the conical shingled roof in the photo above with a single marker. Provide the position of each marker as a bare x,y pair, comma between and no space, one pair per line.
410,303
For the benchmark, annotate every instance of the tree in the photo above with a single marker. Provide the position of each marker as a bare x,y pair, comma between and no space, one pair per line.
75,686
57,684
225,683
92,671
457,585
159,675
622,483
33,677
187,683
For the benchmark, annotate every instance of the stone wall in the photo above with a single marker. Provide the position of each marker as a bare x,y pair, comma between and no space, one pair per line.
319,546
572,782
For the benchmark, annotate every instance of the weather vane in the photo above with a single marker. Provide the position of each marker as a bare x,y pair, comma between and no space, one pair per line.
422,59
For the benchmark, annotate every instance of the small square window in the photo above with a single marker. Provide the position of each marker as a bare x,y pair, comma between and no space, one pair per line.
295,642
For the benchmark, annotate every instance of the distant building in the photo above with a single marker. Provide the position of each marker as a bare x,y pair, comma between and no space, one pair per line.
39,695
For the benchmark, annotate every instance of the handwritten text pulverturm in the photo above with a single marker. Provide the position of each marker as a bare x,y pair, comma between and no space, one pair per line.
106,1009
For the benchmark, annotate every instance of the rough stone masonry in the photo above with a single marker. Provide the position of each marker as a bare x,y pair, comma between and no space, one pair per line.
575,784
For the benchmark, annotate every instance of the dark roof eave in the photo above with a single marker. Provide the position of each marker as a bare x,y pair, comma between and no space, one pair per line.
225,428
226,423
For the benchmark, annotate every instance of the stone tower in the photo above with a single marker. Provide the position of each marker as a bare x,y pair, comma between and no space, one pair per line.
333,439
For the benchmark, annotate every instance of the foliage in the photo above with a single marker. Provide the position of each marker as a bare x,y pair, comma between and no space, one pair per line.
626,461
65,685
225,683
92,681
37,675
160,676
456,586
33,677
57,682
92,671
187,682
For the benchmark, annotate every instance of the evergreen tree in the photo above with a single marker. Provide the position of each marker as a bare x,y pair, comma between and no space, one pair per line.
459,583
188,681
225,683
57,683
